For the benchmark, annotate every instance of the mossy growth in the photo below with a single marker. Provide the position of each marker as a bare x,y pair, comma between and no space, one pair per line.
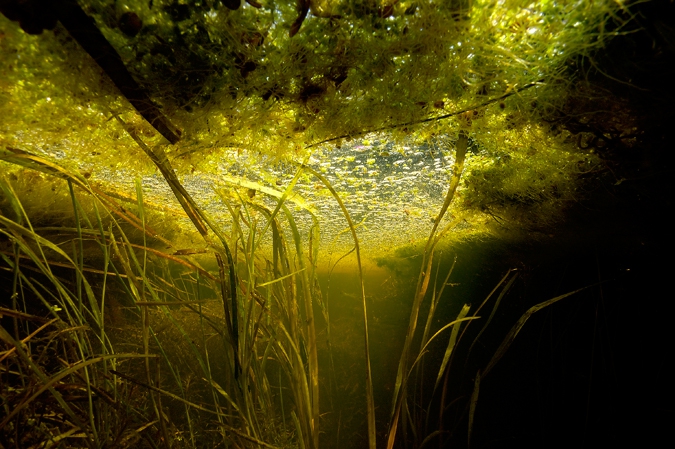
527,180
265,83
237,78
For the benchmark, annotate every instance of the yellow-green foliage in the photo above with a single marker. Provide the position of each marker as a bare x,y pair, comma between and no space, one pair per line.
237,83
48,206
236,78
526,176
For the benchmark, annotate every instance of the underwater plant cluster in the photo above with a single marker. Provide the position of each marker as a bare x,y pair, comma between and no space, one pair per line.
317,224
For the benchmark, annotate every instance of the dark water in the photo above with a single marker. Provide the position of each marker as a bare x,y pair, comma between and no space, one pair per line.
583,372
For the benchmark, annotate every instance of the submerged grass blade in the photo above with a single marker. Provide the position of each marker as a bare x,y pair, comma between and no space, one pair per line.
494,309
435,298
279,279
511,336
422,286
230,320
68,299
311,331
49,382
472,406
501,350
370,398
451,344
423,351
23,341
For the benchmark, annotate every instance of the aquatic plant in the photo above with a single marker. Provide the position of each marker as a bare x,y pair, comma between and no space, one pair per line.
166,294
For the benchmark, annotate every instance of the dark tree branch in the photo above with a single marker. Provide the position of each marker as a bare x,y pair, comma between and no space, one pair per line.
430,119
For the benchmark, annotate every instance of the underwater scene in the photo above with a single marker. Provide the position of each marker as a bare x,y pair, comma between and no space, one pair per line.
328,224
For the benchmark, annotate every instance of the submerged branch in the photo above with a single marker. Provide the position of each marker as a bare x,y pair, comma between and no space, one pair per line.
430,119
83,29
